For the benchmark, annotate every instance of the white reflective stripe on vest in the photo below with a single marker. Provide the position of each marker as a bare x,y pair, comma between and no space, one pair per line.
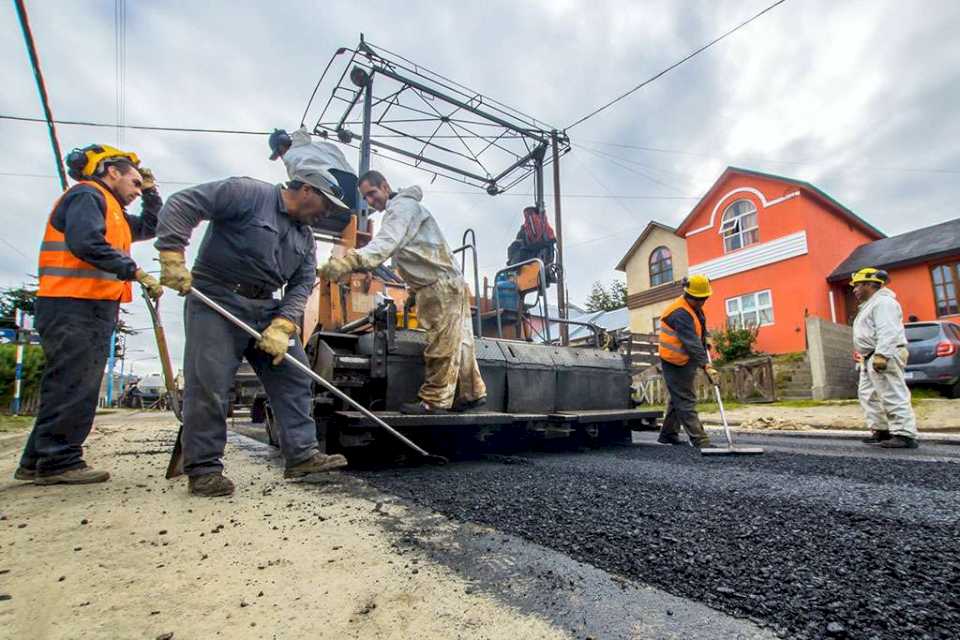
65,272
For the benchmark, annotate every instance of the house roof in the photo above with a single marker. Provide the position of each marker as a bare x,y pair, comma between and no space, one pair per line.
919,245
609,320
816,192
653,224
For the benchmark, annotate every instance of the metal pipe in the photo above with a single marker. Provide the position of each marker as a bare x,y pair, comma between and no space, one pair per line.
311,373
356,324
561,291
472,245
457,103
365,150
416,156
537,152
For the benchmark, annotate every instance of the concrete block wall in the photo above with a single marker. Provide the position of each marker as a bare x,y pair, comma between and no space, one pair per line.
830,352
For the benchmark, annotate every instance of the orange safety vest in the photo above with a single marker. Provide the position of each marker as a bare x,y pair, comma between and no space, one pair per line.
671,349
64,275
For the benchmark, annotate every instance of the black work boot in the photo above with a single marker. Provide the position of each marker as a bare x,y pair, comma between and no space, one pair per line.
317,463
469,406
876,437
211,485
420,408
669,438
24,474
899,442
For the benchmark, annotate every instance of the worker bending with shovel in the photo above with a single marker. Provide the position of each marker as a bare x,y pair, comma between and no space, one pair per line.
880,340
683,350
258,240
410,235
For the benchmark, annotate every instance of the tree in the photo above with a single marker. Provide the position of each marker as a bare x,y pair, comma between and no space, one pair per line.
25,297
603,299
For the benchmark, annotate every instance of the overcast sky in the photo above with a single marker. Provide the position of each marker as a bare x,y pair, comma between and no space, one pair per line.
860,98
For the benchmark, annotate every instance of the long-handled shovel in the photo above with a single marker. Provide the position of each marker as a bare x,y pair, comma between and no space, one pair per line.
427,457
175,468
730,449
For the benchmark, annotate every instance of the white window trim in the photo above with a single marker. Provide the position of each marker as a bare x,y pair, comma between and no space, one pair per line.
757,307
732,222
766,204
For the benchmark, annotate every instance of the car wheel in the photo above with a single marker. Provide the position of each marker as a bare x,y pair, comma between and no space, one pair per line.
952,391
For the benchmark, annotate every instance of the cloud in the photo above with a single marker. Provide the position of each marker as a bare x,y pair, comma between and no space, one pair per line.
851,96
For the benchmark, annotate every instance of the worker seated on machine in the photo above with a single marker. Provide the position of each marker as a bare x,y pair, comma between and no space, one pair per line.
535,239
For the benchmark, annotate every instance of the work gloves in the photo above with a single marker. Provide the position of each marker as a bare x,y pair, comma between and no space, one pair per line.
879,363
149,181
712,374
151,284
335,268
174,272
275,339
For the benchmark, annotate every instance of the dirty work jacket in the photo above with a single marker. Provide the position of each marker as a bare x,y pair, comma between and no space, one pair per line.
410,235
250,240
878,327
679,330
88,229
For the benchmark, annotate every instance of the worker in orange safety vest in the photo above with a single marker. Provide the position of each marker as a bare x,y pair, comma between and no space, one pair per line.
683,350
85,273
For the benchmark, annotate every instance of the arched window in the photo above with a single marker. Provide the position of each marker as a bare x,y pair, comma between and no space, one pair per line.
661,266
739,226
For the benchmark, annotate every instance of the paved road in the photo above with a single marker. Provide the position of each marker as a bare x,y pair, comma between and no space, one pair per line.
818,538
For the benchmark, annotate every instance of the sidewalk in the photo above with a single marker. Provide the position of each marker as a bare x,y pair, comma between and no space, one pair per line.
138,558
934,415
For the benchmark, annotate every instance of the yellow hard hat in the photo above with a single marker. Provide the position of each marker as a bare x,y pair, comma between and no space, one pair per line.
870,274
84,163
697,286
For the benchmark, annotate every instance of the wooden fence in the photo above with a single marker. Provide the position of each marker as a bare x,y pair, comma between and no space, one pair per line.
749,380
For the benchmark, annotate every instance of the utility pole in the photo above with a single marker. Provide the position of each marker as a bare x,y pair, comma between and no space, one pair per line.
42,88
561,288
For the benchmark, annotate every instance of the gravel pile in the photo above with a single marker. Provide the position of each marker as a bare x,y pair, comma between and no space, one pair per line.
809,546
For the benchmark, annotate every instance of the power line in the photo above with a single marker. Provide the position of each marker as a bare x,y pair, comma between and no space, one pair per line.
673,66
42,88
797,163
586,196
115,125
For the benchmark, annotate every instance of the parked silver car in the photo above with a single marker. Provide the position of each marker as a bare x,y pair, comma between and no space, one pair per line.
934,356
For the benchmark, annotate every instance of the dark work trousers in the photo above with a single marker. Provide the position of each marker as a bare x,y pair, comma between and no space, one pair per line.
682,408
75,336
213,353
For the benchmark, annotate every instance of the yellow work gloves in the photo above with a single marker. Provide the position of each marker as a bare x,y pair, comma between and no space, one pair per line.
879,363
151,284
275,339
712,374
174,272
149,181
335,268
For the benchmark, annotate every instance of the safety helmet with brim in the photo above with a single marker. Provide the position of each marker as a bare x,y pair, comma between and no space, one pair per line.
697,286
330,190
90,160
870,274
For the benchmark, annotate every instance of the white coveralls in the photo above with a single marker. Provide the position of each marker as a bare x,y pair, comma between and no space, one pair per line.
410,235
884,396
321,156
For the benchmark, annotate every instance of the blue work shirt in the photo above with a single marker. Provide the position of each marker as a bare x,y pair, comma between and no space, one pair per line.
251,240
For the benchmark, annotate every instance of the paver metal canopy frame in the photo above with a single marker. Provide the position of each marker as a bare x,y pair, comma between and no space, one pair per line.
384,104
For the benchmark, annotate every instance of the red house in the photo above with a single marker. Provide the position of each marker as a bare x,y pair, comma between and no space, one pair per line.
768,244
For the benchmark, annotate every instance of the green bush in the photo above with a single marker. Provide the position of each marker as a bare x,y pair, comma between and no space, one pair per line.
733,343
33,362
